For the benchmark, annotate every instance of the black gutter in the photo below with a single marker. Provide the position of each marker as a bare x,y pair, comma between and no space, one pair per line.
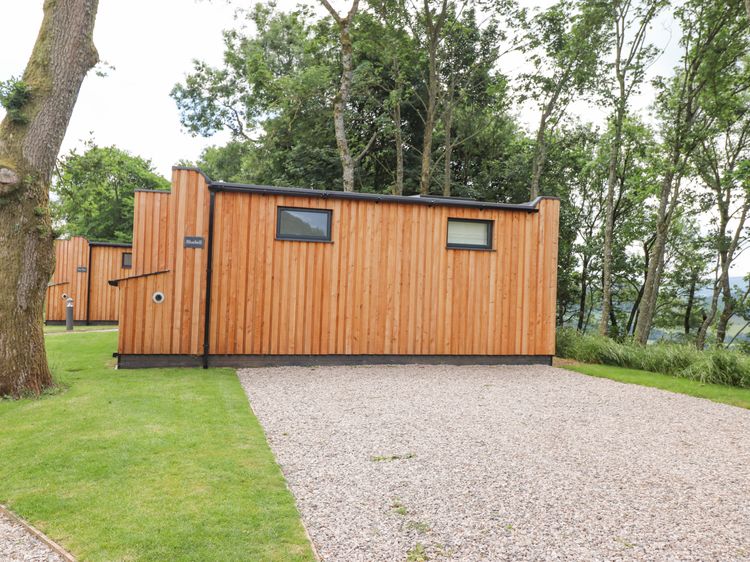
88,286
530,207
209,275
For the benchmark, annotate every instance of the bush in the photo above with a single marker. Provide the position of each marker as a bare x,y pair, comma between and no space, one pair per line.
719,366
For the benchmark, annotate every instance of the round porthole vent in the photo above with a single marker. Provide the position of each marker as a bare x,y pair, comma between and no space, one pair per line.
158,297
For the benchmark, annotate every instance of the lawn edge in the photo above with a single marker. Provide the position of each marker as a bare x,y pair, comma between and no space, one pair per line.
569,365
314,548
59,550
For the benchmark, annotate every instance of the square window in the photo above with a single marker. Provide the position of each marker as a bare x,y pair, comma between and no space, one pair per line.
313,225
470,234
127,260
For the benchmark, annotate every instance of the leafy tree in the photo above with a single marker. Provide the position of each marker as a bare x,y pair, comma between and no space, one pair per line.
95,192
714,39
564,45
629,22
38,111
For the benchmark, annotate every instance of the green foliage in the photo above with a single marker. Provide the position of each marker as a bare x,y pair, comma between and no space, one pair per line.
718,393
95,191
275,88
118,471
14,95
717,366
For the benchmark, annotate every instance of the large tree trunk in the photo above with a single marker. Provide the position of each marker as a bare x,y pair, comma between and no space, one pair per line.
633,318
429,122
63,54
609,216
448,118
656,262
339,107
398,187
726,314
708,319
540,156
342,96
584,291
689,307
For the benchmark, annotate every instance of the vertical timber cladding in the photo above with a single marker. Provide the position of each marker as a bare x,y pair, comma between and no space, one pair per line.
106,264
82,272
150,230
163,264
385,285
70,279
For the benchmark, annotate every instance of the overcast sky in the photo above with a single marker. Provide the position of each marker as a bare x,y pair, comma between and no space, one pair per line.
151,45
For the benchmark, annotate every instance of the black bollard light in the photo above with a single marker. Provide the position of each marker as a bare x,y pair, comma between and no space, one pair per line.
69,314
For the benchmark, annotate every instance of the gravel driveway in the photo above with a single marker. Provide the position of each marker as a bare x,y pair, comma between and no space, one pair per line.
505,463
17,544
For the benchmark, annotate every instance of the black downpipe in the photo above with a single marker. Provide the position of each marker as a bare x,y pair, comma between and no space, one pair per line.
209,271
88,287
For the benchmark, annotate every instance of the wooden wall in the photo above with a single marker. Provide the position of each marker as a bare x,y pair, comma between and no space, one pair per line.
106,264
101,299
176,325
151,228
66,280
386,284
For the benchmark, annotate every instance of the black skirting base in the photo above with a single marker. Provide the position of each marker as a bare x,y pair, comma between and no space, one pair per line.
145,361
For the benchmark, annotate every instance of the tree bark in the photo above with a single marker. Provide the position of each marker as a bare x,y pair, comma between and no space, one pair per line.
62,56
342,96
429,123
726,313
398,187
584,290
448,118
434,26
656,263
689,307
609,215
540,156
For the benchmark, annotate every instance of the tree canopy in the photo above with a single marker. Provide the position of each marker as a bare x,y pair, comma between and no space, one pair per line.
93,192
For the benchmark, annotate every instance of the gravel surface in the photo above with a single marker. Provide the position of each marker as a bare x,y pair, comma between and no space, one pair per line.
16,544
505,463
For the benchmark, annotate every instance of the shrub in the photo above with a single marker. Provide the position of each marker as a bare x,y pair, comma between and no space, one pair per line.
14,95
720,366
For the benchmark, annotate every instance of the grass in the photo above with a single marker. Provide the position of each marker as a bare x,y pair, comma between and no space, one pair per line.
56,329
156,464
713,365
716,392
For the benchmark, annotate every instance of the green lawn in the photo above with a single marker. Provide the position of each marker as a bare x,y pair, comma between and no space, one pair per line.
716,392
155,464
55,329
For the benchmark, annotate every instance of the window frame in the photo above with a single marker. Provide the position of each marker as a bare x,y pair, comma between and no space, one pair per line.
490,235
122,260
302,238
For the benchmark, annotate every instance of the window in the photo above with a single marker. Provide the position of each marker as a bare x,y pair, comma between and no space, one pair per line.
303,224
470,234
127,260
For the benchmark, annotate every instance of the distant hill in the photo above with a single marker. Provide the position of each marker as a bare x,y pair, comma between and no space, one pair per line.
706,292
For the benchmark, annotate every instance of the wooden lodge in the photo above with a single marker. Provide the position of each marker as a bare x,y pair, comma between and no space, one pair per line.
242,275
82,272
